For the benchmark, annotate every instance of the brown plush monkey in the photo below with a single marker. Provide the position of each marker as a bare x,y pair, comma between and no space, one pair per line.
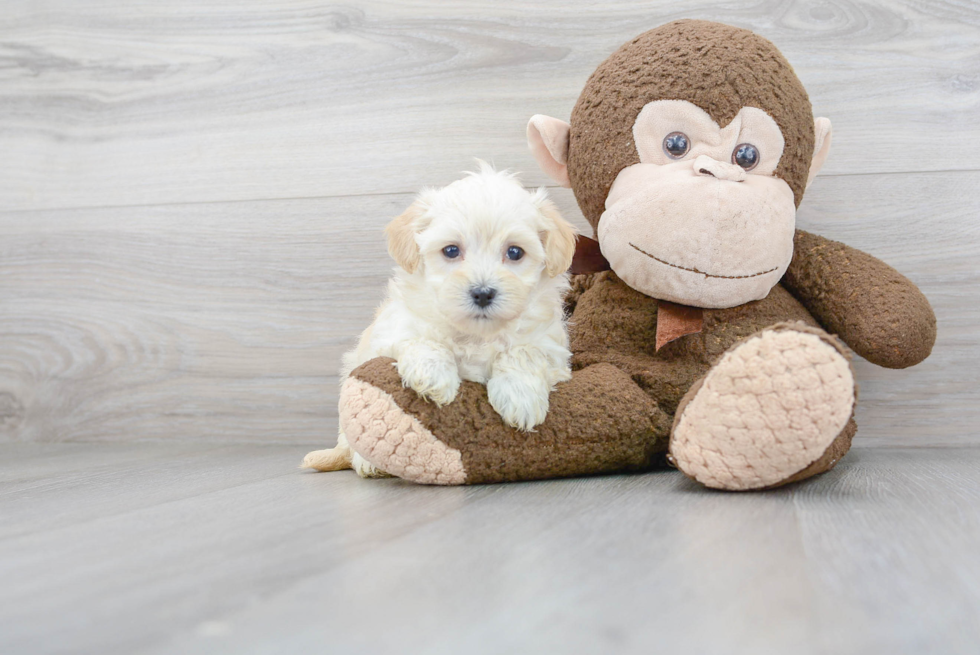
709,342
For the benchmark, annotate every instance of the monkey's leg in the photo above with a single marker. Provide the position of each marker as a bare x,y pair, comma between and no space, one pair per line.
776,408
598,422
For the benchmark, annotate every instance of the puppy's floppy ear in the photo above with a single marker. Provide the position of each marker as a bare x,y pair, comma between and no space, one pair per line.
401,235
557,235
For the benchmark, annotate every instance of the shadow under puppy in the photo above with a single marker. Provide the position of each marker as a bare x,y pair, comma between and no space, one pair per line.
477,296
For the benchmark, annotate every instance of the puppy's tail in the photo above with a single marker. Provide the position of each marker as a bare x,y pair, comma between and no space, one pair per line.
330,459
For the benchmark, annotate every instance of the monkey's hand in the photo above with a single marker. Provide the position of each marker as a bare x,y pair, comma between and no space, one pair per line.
875,309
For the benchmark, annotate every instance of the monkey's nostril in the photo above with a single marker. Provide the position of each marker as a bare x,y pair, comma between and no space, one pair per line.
483,296
705,171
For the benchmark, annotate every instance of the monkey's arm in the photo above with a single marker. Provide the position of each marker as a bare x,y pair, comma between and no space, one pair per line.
875,309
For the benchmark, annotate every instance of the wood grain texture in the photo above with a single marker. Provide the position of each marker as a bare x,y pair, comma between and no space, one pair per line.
217,176
194,321
190,548
226,321
147,103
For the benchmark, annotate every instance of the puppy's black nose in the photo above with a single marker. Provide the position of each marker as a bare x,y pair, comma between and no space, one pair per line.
483,296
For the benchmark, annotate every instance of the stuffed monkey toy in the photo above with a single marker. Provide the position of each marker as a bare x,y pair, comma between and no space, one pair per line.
707,332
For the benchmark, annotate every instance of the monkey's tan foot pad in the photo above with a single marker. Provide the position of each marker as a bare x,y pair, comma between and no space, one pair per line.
393,441
769,408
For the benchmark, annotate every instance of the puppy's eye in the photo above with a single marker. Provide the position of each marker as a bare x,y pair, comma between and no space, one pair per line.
746,155
514,253
676,145
451,252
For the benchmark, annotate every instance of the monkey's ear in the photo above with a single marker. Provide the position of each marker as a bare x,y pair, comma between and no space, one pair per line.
558,237
401,235
548,139
821,147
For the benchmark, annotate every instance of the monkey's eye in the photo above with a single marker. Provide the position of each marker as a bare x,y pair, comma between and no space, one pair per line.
676,145
514,253
746,155
451,252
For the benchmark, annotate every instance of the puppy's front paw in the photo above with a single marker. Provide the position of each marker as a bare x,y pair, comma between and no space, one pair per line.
430,377
521,403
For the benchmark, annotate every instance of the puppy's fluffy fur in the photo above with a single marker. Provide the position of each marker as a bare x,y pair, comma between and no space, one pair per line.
489,310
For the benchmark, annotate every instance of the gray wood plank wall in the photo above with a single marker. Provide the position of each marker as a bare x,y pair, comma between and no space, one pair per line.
191,194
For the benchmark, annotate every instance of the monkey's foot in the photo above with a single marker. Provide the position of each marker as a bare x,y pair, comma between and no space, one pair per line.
388,439
776,408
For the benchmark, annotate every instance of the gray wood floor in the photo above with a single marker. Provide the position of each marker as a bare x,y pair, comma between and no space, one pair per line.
192,548
191,199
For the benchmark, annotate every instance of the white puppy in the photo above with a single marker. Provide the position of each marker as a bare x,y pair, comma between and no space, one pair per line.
477,296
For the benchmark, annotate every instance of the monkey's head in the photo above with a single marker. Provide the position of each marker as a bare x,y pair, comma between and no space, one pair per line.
689,151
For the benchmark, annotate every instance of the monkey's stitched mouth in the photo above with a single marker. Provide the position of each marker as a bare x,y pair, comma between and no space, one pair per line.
694,270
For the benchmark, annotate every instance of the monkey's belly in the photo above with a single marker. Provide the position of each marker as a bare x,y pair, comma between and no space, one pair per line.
615,324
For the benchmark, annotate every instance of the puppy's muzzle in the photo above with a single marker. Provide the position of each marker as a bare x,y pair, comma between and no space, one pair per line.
483,296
